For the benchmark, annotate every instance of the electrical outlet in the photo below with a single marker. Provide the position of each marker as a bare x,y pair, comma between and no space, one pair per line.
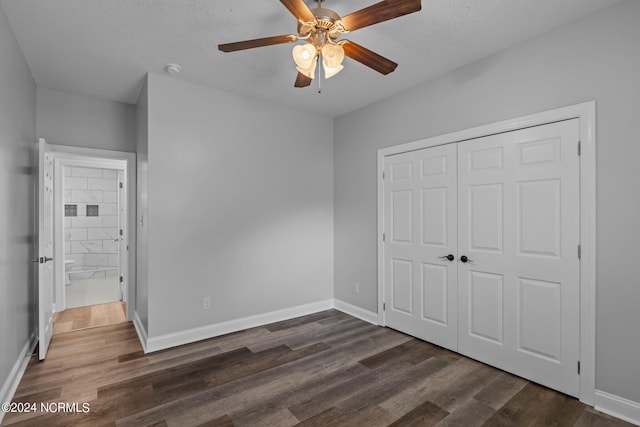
206,303
356,288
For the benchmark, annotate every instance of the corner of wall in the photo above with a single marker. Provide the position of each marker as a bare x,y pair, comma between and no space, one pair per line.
141,331
20,366
618,407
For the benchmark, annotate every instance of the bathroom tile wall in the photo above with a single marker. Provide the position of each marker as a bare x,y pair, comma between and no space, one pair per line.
90,241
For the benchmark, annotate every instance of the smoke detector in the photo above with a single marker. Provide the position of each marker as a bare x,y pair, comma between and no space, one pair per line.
173,68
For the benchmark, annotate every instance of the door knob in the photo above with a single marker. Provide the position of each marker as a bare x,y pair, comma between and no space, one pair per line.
39,260
46,259
450,257
464,258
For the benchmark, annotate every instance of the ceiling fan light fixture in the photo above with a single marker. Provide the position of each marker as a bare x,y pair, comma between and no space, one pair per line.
322,28
332,55
309,71
331,71
304,55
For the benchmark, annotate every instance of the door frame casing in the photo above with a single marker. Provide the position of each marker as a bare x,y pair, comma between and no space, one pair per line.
102,159
586,113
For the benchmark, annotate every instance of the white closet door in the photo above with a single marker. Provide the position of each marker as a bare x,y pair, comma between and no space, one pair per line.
420,215
519,226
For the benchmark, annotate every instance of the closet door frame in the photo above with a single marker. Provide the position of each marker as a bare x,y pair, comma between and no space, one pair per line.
586,113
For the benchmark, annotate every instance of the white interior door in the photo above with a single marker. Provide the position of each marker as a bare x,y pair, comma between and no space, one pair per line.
420,211
45,247
518,225
507,207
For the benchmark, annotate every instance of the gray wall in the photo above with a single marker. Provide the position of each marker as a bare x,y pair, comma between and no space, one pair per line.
596,58
81,121
17,137
142,259
240,206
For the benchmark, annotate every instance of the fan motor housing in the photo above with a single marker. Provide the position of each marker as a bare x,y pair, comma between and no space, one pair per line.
326,21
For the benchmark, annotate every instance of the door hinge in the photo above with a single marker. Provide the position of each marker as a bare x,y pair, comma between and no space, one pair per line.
578,367
383,175
383,237
120,185
579,148
121,279
579,251
384,306
121,232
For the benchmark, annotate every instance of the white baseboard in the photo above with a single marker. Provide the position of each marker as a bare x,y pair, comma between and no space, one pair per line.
618,407
209,331
142,333
352,310
11,384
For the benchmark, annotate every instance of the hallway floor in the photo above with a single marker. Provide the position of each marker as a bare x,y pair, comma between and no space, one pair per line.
74,319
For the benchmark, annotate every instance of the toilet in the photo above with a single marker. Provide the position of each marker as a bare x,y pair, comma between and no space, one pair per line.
67,270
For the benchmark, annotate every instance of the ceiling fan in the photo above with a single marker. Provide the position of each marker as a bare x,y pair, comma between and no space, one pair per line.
321,28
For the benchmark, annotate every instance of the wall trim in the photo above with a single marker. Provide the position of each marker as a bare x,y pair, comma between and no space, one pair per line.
13,380
586,113
355,311
140,330
174,339
618,407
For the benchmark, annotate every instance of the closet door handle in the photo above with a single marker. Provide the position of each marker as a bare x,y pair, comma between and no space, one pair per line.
450,257
464,258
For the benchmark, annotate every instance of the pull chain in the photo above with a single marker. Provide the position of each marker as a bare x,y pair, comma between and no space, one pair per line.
319,73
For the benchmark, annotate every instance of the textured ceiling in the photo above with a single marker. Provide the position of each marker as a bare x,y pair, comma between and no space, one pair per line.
103,48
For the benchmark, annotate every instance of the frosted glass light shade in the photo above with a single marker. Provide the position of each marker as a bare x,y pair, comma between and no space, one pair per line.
309,71
304,55
332,55
331,71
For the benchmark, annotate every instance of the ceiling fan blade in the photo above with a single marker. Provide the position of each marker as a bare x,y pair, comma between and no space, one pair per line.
368,58
250,44
302,80
380,12
299,9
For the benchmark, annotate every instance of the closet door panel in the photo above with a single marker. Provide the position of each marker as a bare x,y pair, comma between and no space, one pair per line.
518,211
420,215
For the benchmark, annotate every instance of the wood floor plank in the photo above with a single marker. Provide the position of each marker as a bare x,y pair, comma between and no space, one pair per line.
401,374
416,393
89,317
324,369
223,421
413,351
500,390
425,414
286,324
472,414
461,389
527,407
295,392
592,418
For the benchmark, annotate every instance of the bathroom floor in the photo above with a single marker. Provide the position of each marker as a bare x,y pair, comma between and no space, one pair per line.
81,293
89,317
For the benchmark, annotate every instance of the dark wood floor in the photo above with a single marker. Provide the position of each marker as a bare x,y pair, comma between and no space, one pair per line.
326,369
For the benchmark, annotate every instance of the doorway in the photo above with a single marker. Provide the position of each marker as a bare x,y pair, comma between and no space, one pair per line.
92,230
94,199
470,265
